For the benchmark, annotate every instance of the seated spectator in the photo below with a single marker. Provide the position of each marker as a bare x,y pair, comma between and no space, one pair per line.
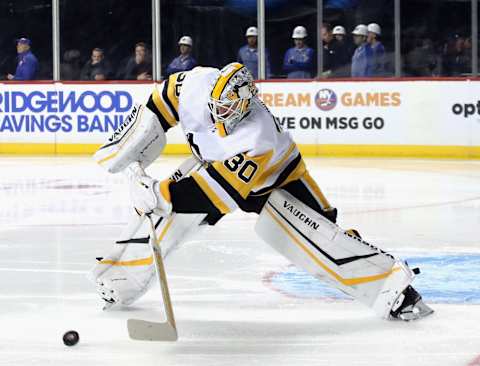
421,60
139,66
185,61
378,51
343,53
97,68
299,60
70,67
329,56
27,63
248,55
456,57
362,57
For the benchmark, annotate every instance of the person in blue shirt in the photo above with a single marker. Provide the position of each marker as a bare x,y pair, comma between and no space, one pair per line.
27,63
248,54
185,61
363,56
298,62
378,51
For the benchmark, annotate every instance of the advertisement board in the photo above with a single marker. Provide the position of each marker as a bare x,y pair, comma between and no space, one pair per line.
381,118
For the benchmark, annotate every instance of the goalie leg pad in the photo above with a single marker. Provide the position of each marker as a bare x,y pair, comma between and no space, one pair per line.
128,271
331,254
140,138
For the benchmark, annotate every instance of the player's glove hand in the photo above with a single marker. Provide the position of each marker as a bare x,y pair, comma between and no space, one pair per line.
147,196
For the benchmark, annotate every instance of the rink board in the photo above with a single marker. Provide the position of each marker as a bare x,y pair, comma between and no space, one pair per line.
368,118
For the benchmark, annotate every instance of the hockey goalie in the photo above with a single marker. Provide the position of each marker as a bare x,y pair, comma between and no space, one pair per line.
247,162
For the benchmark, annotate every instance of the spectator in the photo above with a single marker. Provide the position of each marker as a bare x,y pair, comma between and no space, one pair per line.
378,51
421,60
97,68
329,56
456,57
27,63
185,61
70,68
299,60
343,53
362,57
139,66
248,55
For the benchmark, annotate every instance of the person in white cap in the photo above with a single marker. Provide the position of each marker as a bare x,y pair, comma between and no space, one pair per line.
185,60
363,55
374,32
248,55
343,53
298,61
339,33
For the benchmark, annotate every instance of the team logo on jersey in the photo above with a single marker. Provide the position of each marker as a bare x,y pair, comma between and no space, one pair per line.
326,99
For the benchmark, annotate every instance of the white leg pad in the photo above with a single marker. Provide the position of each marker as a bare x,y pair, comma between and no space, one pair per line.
128,271
326,251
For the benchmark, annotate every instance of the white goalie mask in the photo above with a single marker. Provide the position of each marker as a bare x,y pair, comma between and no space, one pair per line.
231,96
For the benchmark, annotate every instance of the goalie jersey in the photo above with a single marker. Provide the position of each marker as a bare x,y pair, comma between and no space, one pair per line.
241,168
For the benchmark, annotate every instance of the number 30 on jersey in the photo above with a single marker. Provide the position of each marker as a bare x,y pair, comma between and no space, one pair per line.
245,169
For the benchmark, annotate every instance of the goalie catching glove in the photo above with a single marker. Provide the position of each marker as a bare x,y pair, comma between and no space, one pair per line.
149,195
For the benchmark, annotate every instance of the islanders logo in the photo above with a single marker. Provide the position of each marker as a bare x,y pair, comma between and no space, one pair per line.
326,99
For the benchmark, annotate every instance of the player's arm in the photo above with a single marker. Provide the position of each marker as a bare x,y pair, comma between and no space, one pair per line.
163,102
215,189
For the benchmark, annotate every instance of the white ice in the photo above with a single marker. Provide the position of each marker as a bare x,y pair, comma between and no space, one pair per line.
58,214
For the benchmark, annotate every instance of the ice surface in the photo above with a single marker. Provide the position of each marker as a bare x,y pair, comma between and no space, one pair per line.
236,301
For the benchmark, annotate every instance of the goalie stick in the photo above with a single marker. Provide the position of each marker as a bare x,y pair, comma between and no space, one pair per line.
160,331
152,331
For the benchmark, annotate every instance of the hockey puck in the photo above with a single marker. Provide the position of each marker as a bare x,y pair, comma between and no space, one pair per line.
71,338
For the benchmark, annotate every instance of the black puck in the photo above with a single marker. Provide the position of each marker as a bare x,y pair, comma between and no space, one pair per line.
71,338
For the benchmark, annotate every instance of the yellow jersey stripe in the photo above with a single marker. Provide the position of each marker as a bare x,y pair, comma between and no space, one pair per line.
163,108
171,94
270,171
212,196
233,179
316,190
345,281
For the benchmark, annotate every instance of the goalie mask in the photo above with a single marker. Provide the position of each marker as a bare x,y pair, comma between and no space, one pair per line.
231,96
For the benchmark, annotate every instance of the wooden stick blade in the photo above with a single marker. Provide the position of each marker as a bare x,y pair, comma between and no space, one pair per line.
142,330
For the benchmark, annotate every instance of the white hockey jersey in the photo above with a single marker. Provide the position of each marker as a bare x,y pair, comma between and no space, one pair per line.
255,158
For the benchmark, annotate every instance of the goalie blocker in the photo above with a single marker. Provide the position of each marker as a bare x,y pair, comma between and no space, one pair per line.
340,259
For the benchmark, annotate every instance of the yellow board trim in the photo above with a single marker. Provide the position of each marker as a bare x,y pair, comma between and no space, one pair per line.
134,262
379,151
344,281
212,196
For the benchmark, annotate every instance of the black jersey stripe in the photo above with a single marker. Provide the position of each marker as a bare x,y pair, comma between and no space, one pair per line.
151,105
281,177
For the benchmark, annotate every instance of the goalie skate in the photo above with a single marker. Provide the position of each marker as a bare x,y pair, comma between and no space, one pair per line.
410,306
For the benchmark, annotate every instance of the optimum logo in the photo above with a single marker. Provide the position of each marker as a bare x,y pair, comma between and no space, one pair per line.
326,99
